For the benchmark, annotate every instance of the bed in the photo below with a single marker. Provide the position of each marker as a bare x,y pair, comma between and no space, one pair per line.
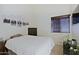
30,45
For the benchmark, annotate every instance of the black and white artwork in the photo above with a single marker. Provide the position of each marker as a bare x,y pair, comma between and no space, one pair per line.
15,22
25,23
6,20
19,23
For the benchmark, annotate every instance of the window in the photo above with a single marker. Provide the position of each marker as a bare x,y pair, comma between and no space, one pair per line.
75,18
60,24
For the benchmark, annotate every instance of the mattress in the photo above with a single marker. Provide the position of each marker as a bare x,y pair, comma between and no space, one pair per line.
30,45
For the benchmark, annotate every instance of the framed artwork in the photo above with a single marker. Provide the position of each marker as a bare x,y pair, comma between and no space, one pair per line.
6,20
13,22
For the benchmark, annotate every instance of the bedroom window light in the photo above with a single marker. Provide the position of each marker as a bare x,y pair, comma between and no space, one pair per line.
60,24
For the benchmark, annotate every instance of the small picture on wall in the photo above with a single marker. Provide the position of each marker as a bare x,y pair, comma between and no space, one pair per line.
13,22
6,20
19,23
25,23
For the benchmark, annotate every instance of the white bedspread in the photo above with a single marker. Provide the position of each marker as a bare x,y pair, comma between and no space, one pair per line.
30,45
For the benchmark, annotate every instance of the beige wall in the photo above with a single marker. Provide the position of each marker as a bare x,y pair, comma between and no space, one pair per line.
43,14
18,12
21,10
39,16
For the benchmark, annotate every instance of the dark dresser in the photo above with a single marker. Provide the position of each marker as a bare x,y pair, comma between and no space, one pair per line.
32,31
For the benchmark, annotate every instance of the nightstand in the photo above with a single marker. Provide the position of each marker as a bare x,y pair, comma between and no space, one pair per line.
3,50
32,31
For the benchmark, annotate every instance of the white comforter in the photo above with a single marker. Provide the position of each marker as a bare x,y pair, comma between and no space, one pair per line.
30,45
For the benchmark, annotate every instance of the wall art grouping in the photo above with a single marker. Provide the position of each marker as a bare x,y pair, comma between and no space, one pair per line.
14,22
